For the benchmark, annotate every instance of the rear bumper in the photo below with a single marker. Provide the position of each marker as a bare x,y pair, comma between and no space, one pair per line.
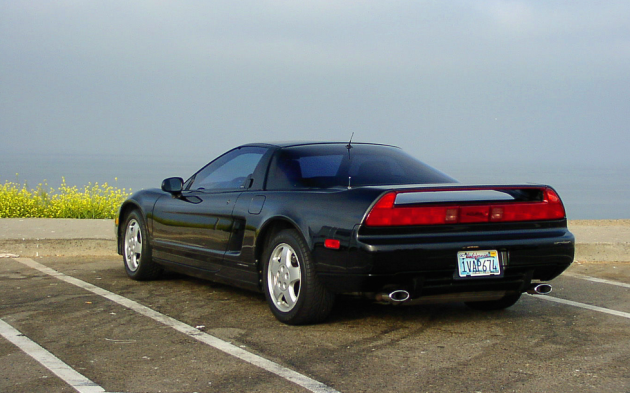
426,265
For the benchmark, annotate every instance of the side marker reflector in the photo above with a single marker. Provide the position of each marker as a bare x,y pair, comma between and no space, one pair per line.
332,243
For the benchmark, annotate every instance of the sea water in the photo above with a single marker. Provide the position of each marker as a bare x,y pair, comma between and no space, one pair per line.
588,191
132,172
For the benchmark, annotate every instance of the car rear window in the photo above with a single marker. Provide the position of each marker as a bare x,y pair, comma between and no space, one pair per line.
326,165
333,165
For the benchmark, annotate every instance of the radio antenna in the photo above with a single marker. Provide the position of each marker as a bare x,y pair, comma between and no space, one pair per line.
349,145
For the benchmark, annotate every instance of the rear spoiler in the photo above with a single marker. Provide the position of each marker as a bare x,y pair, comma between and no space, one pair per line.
454,204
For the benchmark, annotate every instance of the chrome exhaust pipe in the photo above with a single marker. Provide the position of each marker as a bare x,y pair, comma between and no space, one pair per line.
394,297
540,289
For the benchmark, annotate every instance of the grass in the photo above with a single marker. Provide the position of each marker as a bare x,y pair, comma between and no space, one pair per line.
91,201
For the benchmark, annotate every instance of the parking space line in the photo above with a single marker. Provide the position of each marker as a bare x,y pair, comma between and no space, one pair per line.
77,381
583,305
598,280
224,346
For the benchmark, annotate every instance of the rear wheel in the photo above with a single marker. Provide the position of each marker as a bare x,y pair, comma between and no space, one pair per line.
137,250
292,288
500,304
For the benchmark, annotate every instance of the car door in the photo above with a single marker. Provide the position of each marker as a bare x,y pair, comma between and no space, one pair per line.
194,228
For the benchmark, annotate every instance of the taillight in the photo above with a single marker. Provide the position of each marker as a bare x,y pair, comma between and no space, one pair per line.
555,206
386,213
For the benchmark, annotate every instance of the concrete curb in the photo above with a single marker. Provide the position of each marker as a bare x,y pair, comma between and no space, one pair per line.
39,237
597,240
601,240
584,252
602,252
58,247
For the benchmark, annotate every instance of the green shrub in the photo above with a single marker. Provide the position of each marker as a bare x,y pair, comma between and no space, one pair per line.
91,201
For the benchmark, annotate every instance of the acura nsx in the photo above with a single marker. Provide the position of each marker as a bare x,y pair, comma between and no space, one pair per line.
304,222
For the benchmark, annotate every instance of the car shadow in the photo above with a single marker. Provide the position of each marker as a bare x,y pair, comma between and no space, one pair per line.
349,308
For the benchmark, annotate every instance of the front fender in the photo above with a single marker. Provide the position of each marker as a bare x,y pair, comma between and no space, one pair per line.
142,201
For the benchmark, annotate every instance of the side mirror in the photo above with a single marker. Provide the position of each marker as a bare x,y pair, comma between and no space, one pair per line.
173,185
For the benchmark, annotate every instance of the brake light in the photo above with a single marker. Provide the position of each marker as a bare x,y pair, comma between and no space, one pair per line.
386,213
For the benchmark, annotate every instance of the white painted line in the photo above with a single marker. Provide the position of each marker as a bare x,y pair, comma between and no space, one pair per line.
583,305
77,381
265,364
599,280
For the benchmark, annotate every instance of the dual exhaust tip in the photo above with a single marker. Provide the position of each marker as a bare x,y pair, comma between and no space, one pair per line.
540,289
394,297
399,296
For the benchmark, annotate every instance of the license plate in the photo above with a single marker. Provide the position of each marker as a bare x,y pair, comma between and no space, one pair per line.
478,263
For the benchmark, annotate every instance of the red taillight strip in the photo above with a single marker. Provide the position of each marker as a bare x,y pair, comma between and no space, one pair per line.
386,213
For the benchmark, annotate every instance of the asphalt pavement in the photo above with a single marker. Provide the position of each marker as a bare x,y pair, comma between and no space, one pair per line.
77,323
597,240
181,334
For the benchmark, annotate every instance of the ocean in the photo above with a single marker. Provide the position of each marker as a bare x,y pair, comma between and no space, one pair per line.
588,191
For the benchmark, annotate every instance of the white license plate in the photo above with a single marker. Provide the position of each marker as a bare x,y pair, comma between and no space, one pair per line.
480,263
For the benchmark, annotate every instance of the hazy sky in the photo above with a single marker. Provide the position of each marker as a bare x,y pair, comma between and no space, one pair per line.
545,81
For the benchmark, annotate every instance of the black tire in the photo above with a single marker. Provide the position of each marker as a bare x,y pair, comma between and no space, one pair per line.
491,305
137,250
293,291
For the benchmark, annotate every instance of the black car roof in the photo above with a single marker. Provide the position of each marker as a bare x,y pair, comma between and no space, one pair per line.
284,144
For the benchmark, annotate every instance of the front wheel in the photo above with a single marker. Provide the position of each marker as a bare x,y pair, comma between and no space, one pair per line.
500,304
293,291
137,250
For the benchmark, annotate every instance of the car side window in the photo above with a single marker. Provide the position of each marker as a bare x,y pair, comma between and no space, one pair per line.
230,171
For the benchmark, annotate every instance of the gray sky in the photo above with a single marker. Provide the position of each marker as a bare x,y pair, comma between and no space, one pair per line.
544,81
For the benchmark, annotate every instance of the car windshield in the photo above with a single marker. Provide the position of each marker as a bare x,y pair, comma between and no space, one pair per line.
334,165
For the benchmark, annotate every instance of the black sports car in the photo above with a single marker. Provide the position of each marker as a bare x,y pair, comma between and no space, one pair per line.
303,222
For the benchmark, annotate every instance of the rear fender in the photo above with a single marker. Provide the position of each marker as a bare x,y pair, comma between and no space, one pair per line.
267,232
